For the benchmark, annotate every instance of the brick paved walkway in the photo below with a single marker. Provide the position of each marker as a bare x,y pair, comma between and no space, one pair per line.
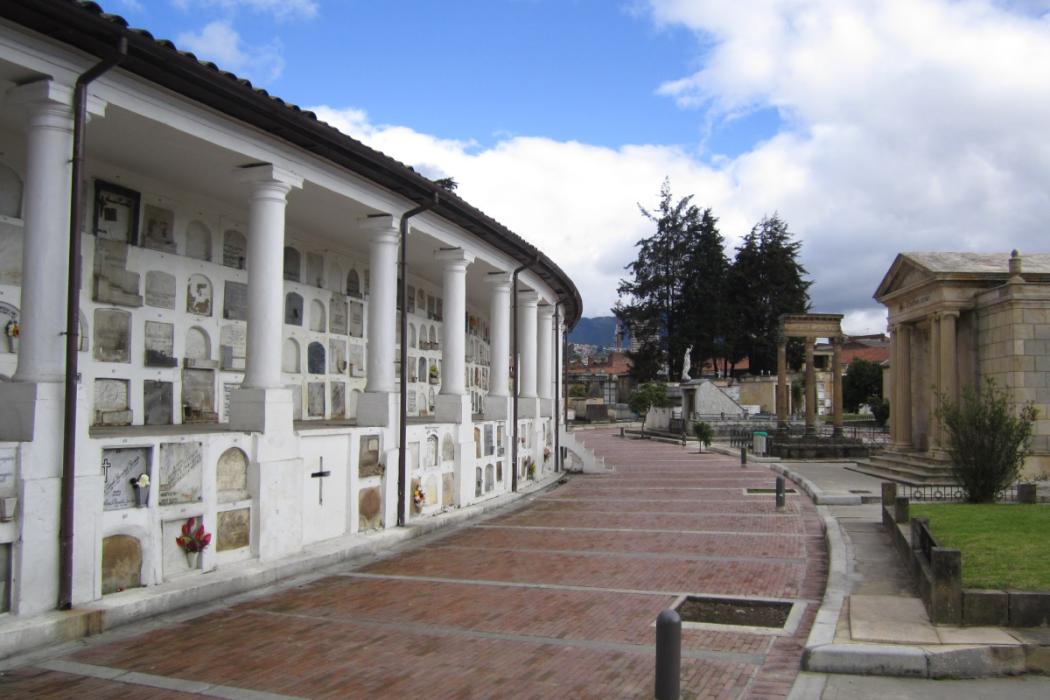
554,599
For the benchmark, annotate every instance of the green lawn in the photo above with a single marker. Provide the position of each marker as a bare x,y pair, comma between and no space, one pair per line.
1003,545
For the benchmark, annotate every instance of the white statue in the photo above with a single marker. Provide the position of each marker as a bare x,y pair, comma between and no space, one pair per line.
687,363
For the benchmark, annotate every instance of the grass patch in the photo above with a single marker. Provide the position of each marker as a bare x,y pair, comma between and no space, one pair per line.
1002,545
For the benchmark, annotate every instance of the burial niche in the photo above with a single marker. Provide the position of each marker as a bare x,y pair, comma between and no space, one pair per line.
160,290
315,358
198,348
121,563
317,320
293,309
112,335
448,448
233,529
337,318
10,193
314,270
198,295
432,451
111,402
198,396
353,284
292,262
290,356
157,402
198,241
231,476
160,344
411,336
489,478
181,472
477,482
338,402
234,249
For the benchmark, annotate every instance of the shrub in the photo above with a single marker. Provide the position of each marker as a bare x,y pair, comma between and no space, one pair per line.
704,433
986,438
645,397
880,409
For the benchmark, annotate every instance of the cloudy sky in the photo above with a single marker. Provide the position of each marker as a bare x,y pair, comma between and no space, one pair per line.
871,126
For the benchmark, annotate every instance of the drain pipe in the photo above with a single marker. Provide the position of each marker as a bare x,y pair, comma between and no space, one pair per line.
402,291
69,441
557,381
517,384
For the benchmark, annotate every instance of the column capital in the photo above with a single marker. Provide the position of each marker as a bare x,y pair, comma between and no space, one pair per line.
528,297
948,313
500,281
454,257
49,92
545,311
268,180
381,228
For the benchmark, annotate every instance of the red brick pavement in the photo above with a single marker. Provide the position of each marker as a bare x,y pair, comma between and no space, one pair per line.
553,600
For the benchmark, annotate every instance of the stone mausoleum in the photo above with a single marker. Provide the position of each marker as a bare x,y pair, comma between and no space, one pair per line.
238,322
956,319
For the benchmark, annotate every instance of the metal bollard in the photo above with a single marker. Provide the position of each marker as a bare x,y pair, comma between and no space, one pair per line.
780,492
668,655
621,431
743,455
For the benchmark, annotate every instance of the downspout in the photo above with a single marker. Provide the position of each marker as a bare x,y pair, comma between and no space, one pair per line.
517,385
557,382
69,441
402,291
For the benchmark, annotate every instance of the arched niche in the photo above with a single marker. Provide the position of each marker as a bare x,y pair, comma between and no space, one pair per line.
421,375
411,336
335,278
353,283
290,356
292,264
432,451
198,344
83,339
433,338
490,477
198,295
355,396
198,241
10,192
421,302
121,563
293,309
317,316
448,448
231,475
478,484
421,403
315,358
234,249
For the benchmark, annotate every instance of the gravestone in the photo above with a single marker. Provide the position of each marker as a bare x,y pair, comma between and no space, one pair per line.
357,319
235,301
338,399
353,284
489,447
368,459
412,406
114,283
370,509
160,290
233,346
7,471
337,315
314,270
315,399
160,344
231,475
234,250
317,320
181,472
499,471
119,466
430,488
337,356
198,395
448,448
198,295
500,440
233,530
477,443
159,229
112,335
227,391
293,309
432,451
490,474
315,358
111,402
157,402
292,262
121,563
198,241
448,489
356,359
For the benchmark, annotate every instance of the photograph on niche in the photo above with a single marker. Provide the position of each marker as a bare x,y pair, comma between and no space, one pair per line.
116,212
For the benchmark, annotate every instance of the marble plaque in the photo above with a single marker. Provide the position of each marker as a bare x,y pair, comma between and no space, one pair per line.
489,447
121,563
370,509
231,475
7,471
337,315
157,402
119,467
448,449
198,295
111,402
315,399
314,270
431,455
368,460
411,403
357,319
293,309
500,441
113,282
448,489
158,229
490,481
234,250
181,471
315,358
338,399
112,335
337,363
233,337
198,346
160,290
227,390
235,301
477,443
198,395
160,344
233,530
356,358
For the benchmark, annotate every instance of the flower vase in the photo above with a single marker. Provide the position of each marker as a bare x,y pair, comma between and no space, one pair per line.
192,559
141,497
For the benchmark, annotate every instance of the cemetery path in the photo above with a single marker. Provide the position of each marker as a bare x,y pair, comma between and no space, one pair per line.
555,598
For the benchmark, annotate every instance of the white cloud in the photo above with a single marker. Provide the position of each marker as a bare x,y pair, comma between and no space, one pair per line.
280,9
910,125
220,43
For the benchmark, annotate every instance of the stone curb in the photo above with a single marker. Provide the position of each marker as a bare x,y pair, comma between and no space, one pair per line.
819,497
21,635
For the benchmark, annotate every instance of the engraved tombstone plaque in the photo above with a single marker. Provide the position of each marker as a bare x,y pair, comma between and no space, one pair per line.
157,402
357,316
233,347
119,467
235,301
160,290
234,250
338,399
337,315
160,344
315,358
231,475
112,335
234,529
181,470
315,399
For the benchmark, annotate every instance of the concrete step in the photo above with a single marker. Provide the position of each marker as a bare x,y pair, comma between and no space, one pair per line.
905,468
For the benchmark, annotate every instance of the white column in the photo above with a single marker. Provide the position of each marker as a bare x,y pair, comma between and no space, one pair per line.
527,302
544,356
453,404
378,405
499,335
269,197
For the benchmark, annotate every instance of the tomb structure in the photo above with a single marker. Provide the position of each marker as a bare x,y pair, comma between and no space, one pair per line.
238,355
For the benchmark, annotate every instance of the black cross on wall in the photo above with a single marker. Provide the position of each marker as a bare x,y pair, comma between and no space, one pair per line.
320,474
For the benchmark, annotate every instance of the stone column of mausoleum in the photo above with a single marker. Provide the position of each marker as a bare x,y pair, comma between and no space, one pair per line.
934,387
527,404
836,378
453,403
378,405
544,357
811,389
782,393
499,330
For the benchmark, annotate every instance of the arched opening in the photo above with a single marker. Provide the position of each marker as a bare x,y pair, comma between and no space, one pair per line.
198,241
290,356
292,264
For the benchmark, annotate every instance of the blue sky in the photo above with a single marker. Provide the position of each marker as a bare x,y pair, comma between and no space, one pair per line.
870,127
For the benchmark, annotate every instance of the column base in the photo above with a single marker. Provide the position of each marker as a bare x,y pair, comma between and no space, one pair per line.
261,410
378,409
528,407
497,407
31,408
547,407
452,408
